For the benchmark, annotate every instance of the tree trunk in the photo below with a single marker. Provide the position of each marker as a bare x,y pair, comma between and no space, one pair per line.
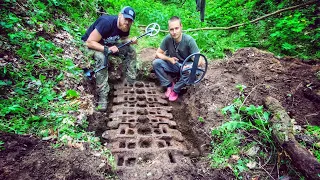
282,130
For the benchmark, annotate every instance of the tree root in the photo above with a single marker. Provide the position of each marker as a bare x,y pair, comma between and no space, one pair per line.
282,131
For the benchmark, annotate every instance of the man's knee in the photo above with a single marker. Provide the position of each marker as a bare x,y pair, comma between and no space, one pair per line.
157,63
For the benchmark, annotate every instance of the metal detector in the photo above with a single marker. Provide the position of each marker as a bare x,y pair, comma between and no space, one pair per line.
189,70
151,30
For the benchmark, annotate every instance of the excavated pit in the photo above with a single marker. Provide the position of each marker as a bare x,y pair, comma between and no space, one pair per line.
143,136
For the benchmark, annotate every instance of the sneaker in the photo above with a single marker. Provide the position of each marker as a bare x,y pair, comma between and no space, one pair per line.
169,90
173,96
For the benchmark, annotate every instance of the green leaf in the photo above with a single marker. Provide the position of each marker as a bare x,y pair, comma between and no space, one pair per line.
201,119
72,94
225,109
59,77
266,116
260,122
288,46
13,109
259,109
215,132
236,117
34,118
241,87
251,110
237,102
42,77
2,83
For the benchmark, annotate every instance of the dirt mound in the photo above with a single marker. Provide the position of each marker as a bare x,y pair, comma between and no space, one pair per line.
147,54
26,157
289,80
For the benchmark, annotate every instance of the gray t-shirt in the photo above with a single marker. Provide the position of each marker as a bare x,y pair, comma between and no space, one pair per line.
182,50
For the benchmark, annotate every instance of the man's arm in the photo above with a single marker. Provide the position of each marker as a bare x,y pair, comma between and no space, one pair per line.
93,42
160,54
126,39
194,49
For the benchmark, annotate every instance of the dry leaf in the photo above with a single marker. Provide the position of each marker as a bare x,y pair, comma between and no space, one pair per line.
251,164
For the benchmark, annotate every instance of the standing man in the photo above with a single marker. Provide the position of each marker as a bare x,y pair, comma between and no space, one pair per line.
111,27
174,48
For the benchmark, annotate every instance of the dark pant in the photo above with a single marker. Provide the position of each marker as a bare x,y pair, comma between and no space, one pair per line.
162,67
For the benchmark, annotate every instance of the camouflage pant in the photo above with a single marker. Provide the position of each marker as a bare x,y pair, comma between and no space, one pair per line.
125,57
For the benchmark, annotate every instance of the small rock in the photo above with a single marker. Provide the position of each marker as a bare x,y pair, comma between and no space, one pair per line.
102,165
194,153
268,78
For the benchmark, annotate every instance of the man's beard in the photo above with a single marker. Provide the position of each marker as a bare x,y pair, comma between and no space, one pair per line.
124,28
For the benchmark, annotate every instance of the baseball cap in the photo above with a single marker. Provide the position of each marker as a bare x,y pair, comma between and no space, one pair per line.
128,12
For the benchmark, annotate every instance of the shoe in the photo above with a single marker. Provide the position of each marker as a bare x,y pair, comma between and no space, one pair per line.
102,104
173,96
169,90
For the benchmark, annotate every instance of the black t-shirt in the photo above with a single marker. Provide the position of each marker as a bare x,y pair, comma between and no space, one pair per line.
107,27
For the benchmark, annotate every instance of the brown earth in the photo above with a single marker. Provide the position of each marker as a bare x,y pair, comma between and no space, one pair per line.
289,80
26,158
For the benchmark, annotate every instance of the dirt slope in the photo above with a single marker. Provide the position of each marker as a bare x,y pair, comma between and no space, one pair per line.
289,80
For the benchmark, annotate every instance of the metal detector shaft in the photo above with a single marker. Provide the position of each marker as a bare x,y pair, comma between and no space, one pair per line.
129,42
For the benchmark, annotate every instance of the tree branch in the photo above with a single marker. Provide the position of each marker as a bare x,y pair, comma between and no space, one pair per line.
252,21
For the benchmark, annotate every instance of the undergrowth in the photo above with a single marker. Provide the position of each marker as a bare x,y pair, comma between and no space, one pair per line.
31,100
314,131
243,142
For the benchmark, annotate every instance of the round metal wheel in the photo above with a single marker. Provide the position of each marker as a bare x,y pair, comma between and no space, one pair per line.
152,29
190,72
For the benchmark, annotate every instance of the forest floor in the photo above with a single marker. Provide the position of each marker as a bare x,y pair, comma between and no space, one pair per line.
289,80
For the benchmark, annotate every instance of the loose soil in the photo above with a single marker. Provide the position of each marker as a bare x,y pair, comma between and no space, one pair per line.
26,158
289,80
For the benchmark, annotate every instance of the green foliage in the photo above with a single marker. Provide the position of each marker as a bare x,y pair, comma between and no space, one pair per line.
315,132
201,119
72,94
291,33
1,145
32,103
230,137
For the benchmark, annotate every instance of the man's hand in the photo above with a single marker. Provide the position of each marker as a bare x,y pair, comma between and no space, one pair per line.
201,62
173,60
134,40
113,49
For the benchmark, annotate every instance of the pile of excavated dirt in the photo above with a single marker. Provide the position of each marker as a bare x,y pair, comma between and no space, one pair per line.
289,80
